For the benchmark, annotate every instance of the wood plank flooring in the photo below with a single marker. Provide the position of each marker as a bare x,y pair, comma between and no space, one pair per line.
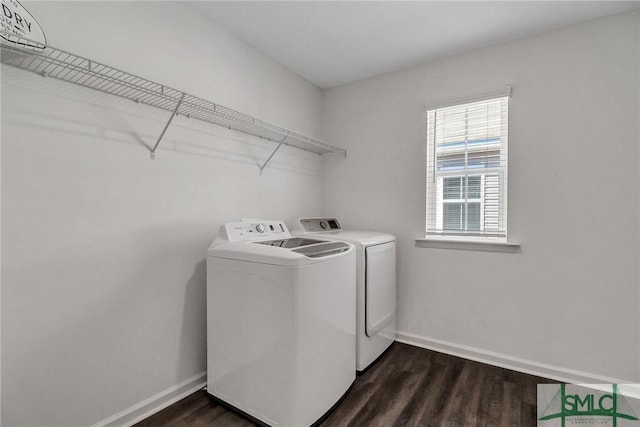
408,386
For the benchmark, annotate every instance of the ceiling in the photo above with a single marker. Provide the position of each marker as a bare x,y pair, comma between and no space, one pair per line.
331,43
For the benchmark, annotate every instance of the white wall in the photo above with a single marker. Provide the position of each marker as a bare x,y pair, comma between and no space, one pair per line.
569,300
103,278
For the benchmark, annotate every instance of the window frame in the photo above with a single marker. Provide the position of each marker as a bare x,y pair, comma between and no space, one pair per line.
437,202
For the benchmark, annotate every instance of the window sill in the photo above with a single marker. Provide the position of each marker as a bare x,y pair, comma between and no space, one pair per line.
486,244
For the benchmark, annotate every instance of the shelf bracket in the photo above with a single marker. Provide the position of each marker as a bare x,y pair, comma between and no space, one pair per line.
153,150
266,162
50,62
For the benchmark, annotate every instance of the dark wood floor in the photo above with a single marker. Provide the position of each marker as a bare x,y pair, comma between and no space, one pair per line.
408,386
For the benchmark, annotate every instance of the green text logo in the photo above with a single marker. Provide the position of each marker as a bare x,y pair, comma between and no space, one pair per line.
586,406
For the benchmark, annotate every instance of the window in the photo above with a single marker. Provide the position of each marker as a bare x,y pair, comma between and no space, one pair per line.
467,168
461,209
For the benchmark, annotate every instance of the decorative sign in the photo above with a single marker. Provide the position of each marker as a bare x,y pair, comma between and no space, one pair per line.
17,25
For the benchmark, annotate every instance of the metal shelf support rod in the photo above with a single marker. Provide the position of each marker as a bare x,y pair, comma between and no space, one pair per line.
51,62
273,153
153,150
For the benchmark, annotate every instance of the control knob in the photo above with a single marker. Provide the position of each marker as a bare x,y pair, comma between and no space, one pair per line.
260,228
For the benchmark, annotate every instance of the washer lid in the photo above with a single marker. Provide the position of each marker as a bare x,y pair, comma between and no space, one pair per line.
293,242
311,248
276,252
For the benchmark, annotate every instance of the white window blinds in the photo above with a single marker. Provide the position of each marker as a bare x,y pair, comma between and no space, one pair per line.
467,168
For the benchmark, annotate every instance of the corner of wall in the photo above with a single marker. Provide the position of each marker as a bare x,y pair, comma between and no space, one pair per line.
0,258
638,138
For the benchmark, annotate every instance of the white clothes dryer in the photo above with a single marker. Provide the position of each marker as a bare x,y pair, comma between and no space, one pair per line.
280,322
375,284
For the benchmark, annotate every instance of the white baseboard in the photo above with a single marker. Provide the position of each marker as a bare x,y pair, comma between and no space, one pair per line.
155,403
503,361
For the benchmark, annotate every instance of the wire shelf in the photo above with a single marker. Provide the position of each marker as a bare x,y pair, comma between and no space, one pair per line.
51,62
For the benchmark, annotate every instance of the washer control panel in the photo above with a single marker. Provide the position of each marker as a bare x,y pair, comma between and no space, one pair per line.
315,225
258,230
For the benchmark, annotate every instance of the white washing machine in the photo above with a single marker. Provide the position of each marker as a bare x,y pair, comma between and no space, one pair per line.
375,284
280,322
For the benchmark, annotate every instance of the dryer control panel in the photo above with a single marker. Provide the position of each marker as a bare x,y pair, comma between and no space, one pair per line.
254,230
313,225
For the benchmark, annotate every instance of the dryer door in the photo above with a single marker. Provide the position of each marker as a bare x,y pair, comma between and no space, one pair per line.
379,287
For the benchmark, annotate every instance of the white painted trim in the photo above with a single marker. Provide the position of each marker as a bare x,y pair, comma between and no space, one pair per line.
504,361
472,97
487,244
155,403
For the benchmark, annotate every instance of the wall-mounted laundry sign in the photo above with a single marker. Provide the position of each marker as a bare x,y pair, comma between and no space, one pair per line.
17,24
